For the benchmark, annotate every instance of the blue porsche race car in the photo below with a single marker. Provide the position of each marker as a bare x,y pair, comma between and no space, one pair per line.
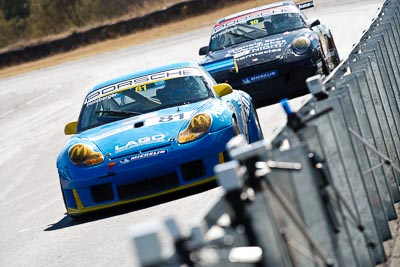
150,133
276,48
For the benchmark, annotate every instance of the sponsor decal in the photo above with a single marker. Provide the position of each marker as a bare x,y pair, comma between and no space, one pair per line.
138,83
258,49
101,99
265,52
80,153
197,127
201,122
141,141
143,156
262,76
218,110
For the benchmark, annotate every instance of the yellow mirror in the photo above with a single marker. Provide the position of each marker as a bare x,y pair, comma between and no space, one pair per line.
223,89
71,128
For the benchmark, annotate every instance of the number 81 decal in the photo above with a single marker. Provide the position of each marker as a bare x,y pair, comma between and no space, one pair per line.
140,88
172,117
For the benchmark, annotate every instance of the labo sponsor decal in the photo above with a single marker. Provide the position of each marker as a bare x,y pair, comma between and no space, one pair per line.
139,142
143,156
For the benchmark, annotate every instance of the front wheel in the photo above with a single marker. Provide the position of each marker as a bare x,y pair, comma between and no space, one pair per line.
326,70
334,59
254,126
236,130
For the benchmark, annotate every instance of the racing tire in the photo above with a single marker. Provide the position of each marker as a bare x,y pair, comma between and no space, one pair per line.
255,123
236,130
334,60
326,70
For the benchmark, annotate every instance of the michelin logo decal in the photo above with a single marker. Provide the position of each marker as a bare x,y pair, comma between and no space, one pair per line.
143,156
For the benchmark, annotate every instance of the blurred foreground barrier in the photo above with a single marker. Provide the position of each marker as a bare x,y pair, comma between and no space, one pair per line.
323,192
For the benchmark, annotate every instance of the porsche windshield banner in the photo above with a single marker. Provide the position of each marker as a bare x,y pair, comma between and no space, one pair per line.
259,13
109,90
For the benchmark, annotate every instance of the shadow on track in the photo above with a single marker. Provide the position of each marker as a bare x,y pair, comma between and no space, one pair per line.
67,221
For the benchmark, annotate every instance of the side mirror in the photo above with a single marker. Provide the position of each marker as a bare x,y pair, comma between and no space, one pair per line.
223,89
203,51
315,23
71,128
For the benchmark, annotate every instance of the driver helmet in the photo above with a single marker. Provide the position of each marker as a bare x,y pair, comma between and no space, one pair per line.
294,20
174,90
280,20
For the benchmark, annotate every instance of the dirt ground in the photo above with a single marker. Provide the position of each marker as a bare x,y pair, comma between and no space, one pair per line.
133,39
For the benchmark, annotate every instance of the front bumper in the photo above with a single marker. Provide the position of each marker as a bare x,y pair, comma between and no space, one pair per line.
179,167
273,81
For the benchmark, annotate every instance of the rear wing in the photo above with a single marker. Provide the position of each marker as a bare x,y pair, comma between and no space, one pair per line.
228,63
306,5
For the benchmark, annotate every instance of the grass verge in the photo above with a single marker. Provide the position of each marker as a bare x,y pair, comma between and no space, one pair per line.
133,39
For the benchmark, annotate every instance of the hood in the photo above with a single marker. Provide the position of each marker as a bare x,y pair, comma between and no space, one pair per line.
258,51
141,133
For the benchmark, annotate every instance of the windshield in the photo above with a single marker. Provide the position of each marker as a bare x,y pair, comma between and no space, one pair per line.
141,99
256,28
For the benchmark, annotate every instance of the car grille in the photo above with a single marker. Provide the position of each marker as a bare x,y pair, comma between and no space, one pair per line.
190,171
102,193
148,186
193,170
245,71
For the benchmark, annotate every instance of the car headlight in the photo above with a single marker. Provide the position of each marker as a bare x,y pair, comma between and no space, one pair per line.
84,155
198,126
301,45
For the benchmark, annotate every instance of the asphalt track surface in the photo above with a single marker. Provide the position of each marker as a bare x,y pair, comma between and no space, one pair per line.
35,106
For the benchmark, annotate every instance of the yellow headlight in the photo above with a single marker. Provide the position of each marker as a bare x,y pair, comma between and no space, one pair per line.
198,126
301,45
83,155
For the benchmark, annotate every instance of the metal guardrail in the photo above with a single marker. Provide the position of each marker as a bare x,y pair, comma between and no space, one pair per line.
322,193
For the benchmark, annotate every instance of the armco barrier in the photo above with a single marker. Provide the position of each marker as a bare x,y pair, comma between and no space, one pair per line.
323,192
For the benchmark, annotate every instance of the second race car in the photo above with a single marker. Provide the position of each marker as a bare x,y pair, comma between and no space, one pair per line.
150,133
275,48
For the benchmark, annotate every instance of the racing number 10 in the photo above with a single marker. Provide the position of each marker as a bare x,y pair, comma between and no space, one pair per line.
253,22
